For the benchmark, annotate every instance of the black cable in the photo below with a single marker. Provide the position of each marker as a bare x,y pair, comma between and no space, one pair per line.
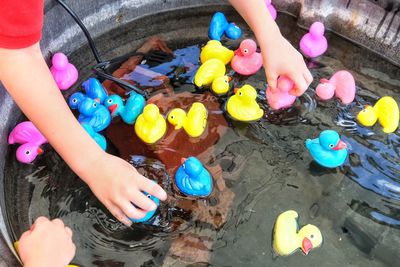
84,29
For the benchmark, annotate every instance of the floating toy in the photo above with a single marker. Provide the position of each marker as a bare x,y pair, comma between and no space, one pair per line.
219,25
243,106
271,9
16,244
341,84
26,134
314,43
150,213
64,73
287,238
100,140
214,49
129,111
150,126
192,179
247,60
194,123
281,96
76,99
385,110
220,85
94,89
328,150
94,114
208,71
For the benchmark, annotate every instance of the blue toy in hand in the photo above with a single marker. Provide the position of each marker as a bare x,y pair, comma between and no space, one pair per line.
94,114
192,179
149,214
129,111
328,150
94,89
219,25
100,140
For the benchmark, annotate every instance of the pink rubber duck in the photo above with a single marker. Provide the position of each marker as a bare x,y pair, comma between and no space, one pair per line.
64,73
281,97
314,43
247,60
341,84
26,134
271,9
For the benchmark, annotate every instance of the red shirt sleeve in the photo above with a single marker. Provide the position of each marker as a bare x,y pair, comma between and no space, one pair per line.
21,23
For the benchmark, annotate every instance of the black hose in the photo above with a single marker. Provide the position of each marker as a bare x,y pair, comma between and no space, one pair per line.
84,29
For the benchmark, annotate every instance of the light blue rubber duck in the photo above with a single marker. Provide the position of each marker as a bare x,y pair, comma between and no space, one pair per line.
76,99
100,140
94,114
328,150
129,111
192,179
149,214
94,89
218,25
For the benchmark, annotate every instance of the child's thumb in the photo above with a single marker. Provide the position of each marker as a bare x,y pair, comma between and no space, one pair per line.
272,81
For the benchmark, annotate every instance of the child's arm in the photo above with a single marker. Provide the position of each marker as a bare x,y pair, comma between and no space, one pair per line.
46,244
114,181
280,58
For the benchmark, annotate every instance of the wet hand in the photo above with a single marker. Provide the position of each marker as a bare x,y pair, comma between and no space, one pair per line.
282,59
46,244
119,186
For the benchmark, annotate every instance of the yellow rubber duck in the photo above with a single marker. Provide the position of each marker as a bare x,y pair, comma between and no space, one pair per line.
16,249
385,110
194,123
220,85
286,238
150,126
243,106
214,49
208,71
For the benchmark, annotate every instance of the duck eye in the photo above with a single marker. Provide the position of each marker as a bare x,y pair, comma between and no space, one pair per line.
172,116
149,196
109,101
94,105
240,93
74,100
226,81
311,236
245,51
331,145
27,152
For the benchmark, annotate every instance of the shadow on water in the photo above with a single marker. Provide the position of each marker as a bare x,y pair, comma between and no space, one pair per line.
260,170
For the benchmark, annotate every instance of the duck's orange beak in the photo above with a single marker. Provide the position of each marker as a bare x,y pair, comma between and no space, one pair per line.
235,90
340,145
306,245
112,108
39,150
229,78
97,100
238,52
183,160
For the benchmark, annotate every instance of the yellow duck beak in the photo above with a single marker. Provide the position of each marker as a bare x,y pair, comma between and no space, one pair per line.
306,245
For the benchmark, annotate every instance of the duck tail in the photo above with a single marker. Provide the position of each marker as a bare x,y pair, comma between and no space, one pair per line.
308,143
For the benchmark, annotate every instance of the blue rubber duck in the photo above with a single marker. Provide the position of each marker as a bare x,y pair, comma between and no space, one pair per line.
232,31
94,89
192,179
219,25
100,140
129,111
149,214
94,114
76,99
328,150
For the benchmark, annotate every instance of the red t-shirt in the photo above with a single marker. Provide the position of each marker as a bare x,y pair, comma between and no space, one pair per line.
21,23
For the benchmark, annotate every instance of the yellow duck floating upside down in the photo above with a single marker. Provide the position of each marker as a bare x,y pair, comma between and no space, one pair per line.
150,126
194,123
243,106
385,110
214,49
286,238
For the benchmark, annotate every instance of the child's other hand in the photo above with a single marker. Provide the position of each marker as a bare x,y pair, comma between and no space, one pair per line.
46,244
118,185
282,59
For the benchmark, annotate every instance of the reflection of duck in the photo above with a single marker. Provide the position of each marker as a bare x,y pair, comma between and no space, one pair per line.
286,238
328,150
243,106
64,73
247,60
385,110
341,84
100,140
209,71
314,43
94,114
94,89
281,96
150,213
194,122
193,179
150,126
30,138
129,111
214,49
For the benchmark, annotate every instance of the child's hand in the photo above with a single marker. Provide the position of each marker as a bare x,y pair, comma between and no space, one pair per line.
118,185
46,244
282,59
